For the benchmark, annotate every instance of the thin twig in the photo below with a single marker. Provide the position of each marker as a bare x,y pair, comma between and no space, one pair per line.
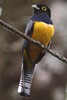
37,43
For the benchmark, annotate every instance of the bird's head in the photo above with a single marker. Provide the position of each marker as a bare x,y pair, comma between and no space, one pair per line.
42,8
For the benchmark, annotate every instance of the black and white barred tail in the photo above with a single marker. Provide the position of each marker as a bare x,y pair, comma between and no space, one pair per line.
25,81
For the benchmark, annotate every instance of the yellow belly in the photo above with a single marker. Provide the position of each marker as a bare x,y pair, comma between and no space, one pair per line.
43,33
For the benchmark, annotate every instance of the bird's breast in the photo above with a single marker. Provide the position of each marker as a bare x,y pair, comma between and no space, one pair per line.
43,33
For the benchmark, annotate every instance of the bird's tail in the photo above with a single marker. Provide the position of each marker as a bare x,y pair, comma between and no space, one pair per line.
25,81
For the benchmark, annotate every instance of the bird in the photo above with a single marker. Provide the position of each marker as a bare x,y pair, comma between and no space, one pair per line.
40,28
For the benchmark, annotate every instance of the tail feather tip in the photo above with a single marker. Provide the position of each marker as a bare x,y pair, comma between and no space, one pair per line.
24,94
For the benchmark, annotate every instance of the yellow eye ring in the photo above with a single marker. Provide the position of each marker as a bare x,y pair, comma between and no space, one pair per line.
44,8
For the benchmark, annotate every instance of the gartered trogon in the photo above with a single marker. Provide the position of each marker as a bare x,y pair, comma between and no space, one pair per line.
40,28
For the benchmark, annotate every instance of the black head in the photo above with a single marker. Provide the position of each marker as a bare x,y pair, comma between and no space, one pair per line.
42,8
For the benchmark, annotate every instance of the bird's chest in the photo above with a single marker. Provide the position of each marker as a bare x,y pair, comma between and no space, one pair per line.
43,33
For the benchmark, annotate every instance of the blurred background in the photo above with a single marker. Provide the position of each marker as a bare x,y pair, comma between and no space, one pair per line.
49,81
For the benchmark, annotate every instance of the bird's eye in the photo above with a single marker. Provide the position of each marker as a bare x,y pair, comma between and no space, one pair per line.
44,8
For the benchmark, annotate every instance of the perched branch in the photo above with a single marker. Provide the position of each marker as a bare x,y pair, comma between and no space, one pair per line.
37,43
